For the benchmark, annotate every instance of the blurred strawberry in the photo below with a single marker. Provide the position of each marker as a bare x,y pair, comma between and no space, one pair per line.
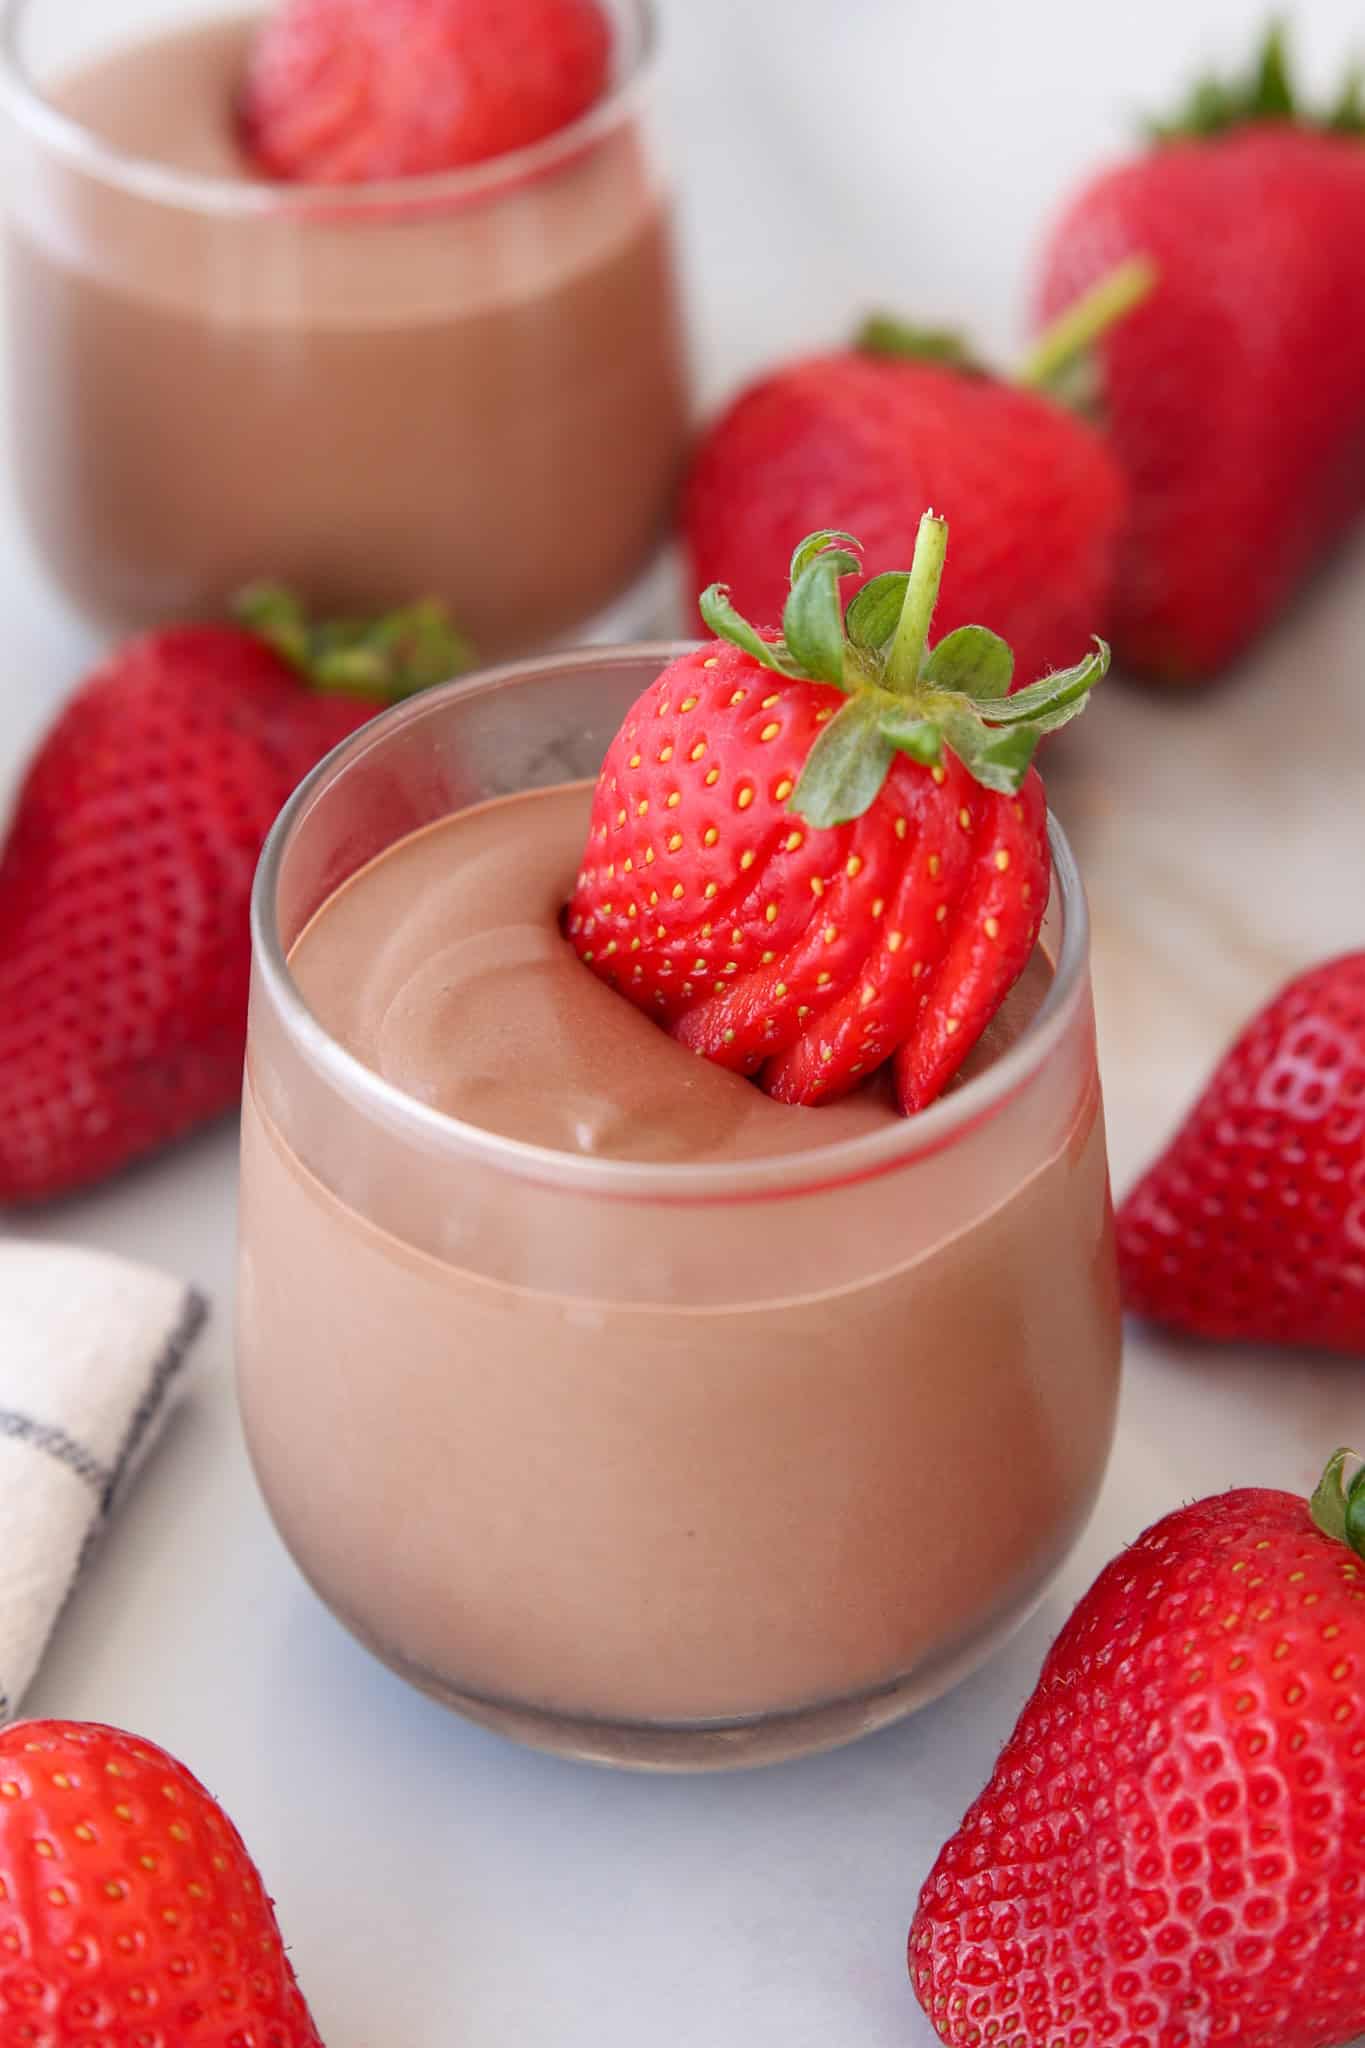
864,438
814,854
355,91
1251,1225
130,1911
125,880
1235,396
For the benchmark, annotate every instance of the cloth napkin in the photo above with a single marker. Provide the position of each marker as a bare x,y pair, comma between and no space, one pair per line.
93,1355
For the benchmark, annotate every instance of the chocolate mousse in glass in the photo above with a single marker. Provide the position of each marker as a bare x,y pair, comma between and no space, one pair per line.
626,1410
368,391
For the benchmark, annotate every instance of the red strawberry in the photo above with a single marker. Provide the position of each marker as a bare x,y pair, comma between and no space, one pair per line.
1170,1851
866,437
344,92
1235,396
125,881
810,855
130,1911
1251,1224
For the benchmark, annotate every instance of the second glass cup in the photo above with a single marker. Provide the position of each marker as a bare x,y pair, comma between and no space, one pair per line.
671,1464
371,392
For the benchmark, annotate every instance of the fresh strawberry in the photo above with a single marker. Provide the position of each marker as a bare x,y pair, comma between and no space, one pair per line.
1235,396
1170,1852
810,855
130,1911
866,437
125,880
342,92
1251,1224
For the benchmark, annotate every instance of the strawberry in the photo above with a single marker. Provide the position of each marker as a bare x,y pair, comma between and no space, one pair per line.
125,881
1169,1853
866,437
130,1911
1251,1224
342,92
810,855
1235,396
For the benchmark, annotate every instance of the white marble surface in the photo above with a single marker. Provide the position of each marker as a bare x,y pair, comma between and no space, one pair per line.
437,1885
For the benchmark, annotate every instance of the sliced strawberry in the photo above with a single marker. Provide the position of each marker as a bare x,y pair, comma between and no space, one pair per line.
809,852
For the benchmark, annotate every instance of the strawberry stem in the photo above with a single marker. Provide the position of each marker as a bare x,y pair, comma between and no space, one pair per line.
1338,1507
906,658
1054,355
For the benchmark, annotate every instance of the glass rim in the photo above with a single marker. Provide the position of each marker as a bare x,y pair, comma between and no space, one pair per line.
331,204
906,1139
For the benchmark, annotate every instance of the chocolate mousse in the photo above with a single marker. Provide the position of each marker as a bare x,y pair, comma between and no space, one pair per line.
657,1471
367,394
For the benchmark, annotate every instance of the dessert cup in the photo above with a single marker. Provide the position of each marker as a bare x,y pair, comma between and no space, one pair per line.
669,1465
371,392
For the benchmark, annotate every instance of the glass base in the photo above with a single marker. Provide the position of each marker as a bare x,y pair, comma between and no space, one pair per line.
745,1742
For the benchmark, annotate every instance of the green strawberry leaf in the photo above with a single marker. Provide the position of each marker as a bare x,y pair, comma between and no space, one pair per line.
1052,702
846,767
998,758
815,544
1272,93
1338,1508
1347,117
910,732
875,612
974,661
882,334
728,624
813,619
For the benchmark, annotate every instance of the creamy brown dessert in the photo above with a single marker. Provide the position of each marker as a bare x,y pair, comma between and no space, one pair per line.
656,1470
367,399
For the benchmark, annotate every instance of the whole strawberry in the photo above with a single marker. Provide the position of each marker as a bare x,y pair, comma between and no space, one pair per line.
1251,1224
866,437
130,1911
125,880
812,855
1235,396
1169,1853
351,91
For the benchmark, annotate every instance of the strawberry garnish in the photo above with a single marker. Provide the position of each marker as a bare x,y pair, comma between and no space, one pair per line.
1251,1224
1169,1853
353,91
812,853
125,880
130,1910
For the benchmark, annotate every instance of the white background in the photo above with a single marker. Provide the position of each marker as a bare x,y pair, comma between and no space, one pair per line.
439,1887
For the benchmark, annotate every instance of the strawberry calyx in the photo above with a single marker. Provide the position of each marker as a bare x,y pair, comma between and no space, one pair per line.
1338,1504
885,334
1061,361
903,696
388,657
1266,92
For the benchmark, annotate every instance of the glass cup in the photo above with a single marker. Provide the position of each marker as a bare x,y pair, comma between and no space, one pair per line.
370,392
665,1465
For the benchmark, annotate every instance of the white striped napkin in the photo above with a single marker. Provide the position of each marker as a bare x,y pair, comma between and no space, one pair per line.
93,1356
